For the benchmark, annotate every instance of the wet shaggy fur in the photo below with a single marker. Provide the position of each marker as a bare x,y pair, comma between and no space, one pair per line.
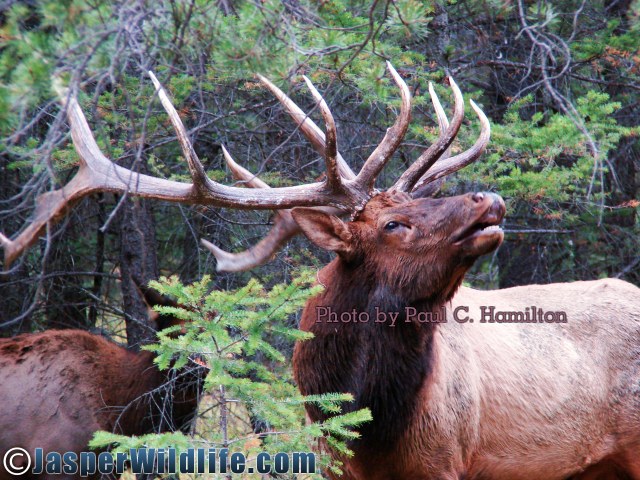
452,400
59,387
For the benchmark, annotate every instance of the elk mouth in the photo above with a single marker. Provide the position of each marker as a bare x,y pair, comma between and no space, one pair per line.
484,234
477,230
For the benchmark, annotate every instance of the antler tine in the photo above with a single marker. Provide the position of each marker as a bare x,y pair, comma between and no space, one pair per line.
241,173
411,176
428,190
331,140
391,141
443,121
455,163
284,228
309,129
196,169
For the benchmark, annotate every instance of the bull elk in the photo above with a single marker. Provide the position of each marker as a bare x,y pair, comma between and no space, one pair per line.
61,386
451,397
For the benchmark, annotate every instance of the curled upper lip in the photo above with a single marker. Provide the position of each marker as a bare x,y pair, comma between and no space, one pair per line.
490,217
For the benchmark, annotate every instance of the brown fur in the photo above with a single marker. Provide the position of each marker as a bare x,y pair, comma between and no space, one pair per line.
60,386
469,400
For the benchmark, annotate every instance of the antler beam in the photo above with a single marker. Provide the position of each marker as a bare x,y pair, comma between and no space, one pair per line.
284,228
96,173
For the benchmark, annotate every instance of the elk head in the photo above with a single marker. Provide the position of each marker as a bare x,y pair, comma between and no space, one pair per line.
416,248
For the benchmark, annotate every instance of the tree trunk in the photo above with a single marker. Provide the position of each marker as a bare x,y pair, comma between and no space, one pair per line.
138,260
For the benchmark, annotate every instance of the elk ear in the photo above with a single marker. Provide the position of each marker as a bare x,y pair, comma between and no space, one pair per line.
324,230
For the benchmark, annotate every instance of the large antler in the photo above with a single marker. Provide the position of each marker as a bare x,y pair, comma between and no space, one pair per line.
342,191
285,226
432,165
341,188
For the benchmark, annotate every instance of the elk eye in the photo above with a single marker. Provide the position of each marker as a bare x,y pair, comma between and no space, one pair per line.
391,226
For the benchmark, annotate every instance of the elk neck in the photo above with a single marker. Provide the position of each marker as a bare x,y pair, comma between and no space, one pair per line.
383,367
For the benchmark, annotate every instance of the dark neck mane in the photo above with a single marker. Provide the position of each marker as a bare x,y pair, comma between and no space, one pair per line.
383,367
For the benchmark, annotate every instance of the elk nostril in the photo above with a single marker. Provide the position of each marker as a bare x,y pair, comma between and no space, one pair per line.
478,197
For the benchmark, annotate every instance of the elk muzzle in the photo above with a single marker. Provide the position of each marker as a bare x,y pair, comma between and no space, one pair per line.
482,233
